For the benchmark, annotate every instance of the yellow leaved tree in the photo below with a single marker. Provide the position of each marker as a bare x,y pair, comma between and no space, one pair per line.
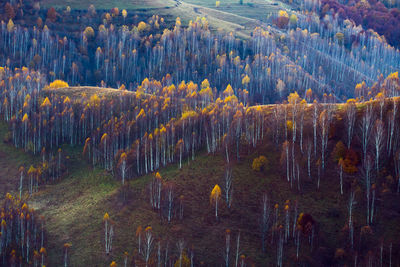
214,198
58,84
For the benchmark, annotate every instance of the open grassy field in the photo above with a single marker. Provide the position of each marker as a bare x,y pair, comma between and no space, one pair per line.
108,4
255,9
73,209
230,16
77,92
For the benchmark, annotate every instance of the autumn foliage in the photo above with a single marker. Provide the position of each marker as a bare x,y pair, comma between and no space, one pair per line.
186,90
58,84
24,242
259,163
371,14
351,161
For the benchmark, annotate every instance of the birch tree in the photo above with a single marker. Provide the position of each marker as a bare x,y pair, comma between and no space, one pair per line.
227,247
180,245
21,180
378,140
367,167
148,244
237,250
265,220
169,192
122,164
294,101
108,233
179,147
324,124
350,222
396,160
155,189
139,232
214,198
365,129
340,165
66,248
315,125
350,117
228,186
392,127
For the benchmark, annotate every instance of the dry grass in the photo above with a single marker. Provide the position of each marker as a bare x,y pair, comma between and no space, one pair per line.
78,92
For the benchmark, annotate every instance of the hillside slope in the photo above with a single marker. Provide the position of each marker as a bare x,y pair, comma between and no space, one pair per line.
74,207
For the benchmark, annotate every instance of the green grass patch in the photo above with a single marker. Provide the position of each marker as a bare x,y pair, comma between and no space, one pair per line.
11,159
104,4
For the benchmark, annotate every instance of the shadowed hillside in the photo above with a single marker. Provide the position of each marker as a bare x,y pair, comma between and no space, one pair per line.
74,206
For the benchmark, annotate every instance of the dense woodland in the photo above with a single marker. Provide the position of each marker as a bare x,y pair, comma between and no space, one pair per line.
328,56
383,17
187,90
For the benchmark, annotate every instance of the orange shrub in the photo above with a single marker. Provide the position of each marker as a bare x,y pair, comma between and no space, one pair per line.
350,162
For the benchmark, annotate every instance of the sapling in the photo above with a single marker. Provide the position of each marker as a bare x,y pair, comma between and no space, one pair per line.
287,222
237,250
139,237
227,246
180,245
350,223
21,179
109,233
265,217
341,164
66,247
214,198
228,187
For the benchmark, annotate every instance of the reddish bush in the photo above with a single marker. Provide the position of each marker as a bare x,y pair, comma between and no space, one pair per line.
9,11
52,14
305,223
371,15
